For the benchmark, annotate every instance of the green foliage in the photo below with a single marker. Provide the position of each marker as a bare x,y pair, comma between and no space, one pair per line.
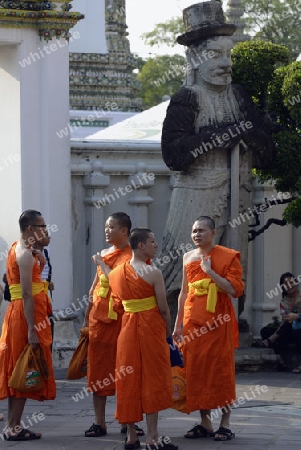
276,21
276,91
292,212
291,91
165,33
254,63
162,75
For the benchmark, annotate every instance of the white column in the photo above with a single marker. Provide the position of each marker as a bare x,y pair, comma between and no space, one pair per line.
37,101
10,155
139,199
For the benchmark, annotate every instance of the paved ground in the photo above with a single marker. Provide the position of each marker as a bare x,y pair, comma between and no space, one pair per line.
271,420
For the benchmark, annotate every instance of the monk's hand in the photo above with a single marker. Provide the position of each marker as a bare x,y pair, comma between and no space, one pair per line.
33,339
177,332
97,259
51,286
205,263
39,255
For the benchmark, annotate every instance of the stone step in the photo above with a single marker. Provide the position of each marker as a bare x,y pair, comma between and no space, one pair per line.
254,359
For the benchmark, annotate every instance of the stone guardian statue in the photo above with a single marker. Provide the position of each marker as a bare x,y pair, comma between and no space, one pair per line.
205,120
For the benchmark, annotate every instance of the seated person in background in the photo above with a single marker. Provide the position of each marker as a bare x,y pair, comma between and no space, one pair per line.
290,310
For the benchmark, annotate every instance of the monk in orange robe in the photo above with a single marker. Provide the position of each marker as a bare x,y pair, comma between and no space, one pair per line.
211,274
25,322
143,369
104,324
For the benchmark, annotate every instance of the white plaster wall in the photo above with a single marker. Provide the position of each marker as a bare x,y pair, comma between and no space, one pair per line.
10,146
271,254
45,183
91,29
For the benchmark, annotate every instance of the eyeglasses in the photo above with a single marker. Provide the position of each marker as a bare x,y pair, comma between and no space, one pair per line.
40,226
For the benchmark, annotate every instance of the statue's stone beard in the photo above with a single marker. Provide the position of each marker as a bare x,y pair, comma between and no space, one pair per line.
216,108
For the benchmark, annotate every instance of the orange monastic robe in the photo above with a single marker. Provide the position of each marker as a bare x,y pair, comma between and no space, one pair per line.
103,332
210,338
15,334
143,370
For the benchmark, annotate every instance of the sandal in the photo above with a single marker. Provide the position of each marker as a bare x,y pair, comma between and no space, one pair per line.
24,435
131,446
95,431
198,431
163,443
226,432
138,430
297,370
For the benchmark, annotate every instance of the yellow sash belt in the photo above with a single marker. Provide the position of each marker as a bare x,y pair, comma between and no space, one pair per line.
104,286
209,288
103,292
37,287
139,305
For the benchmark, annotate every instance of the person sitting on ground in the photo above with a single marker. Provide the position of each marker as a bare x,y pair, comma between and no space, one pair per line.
290,310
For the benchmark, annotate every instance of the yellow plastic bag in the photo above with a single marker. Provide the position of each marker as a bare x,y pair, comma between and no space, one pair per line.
78,364
30,371
179,389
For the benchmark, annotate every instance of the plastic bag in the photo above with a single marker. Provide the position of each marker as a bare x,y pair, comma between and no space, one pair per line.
30,371
179,389
79,362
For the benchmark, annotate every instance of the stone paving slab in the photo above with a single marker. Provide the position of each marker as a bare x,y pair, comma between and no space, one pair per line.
271,420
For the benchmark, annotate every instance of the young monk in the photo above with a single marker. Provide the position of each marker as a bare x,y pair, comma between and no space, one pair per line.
143,370
28,308
211,274
104,324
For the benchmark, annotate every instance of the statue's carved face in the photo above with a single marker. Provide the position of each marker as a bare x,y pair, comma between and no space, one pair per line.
216,67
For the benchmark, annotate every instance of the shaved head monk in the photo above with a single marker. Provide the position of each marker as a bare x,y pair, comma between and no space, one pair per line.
29,307
211,274
104,324
143,370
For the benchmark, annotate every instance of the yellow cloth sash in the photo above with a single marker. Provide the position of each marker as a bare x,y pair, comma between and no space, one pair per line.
209,288
103,292
104,286
37,287
139,305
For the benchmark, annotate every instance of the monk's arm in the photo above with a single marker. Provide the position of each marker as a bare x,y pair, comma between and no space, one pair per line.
97,259
221,282
161,300
90,303
181,301
26,263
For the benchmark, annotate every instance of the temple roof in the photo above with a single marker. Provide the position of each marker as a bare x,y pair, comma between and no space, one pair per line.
144,126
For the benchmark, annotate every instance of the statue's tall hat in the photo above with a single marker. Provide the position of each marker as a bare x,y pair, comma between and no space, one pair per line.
203,20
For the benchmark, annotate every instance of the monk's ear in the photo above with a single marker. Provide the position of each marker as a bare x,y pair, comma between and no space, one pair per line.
140,245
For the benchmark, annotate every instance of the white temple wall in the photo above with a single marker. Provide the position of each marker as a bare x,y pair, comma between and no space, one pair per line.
10,146
98,170
36,99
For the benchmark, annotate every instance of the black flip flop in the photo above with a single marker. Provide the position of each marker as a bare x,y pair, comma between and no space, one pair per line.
226,432
97,430
24,435
198,431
